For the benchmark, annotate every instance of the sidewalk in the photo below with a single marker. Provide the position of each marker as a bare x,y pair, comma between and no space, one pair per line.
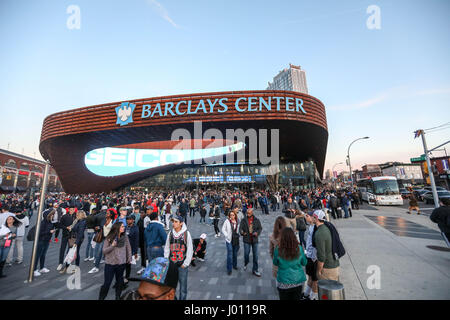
408,269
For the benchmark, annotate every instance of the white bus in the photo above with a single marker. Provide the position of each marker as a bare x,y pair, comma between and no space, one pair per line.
380,191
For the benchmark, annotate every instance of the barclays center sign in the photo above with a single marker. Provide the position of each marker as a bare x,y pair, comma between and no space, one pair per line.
125,111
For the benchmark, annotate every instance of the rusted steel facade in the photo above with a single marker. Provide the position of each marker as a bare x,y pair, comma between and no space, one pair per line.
67,136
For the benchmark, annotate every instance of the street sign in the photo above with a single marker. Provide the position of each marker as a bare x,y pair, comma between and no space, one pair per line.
419,159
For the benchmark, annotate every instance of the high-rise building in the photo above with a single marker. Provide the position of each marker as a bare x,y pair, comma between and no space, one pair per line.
292,79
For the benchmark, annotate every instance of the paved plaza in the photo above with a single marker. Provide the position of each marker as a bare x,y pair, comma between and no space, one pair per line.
384,239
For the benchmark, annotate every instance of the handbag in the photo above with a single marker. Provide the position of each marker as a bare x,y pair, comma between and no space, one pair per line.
71,255
7,243
71,241
98,236
235,239
234,236
31,234
301,226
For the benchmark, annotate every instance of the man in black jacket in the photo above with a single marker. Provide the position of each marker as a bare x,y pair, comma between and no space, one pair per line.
333,206
142,246
250,229
132,232
290,209
183,209
65,222
441,216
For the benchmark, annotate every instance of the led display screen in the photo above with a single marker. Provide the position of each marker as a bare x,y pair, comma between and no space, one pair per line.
110,162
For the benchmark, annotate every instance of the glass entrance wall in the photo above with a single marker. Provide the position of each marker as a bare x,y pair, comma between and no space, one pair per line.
290,175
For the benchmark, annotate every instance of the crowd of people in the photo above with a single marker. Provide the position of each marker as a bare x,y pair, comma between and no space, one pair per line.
152,228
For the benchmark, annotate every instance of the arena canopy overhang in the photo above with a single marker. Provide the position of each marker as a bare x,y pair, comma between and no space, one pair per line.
104,147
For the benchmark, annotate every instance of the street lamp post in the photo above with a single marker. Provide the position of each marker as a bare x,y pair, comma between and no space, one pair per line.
348,157
332,172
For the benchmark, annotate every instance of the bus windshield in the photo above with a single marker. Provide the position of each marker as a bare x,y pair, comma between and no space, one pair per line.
386,187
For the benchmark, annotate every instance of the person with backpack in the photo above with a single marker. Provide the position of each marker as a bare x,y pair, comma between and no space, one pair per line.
334,206
300,226
265,204
441,216
155,237
179,250
327,264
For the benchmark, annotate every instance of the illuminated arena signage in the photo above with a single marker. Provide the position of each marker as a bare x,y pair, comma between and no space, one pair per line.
110,162
242,104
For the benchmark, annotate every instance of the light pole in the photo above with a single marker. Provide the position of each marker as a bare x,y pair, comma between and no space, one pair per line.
332,172
348,157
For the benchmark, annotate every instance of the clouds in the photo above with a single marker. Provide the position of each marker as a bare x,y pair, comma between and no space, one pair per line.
163,13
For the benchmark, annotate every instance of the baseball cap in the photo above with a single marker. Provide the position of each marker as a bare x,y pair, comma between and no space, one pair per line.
310,213
160,271
131,217
123,209
104,208
177,217
203,236
319,214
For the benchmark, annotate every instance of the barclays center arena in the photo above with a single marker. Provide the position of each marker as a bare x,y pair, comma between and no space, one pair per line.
184,141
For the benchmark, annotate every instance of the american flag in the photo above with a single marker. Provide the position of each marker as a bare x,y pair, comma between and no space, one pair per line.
418,133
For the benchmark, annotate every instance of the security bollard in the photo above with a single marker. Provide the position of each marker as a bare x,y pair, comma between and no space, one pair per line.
331,290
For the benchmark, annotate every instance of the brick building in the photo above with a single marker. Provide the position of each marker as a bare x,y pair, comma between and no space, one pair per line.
19,173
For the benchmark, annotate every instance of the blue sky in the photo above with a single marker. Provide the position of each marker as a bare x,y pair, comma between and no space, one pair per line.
382,83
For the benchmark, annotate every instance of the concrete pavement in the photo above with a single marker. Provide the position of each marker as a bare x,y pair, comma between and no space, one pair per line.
408,269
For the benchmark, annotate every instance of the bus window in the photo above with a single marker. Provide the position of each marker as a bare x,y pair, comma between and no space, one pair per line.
386,187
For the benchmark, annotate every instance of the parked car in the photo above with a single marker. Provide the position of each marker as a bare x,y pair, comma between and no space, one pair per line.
404,193
428,196
419,193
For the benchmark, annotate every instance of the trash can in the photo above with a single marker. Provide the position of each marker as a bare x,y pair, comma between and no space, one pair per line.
331,290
